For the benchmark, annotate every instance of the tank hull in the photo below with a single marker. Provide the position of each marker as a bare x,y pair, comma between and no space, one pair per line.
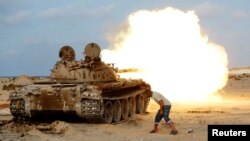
96,102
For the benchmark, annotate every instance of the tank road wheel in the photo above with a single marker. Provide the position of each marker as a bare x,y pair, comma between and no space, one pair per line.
108,112
140,104
125,108
117,111
132,106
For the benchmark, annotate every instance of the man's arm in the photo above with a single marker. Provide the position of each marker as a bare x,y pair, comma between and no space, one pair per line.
161,106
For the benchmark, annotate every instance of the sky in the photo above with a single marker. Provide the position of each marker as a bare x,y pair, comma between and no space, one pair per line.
33,31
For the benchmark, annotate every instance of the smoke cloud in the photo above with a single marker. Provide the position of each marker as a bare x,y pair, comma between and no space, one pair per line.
172,52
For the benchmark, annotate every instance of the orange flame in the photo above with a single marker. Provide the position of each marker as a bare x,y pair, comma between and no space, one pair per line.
175,58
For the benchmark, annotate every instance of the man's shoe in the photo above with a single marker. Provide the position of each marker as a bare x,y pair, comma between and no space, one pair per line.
173,132
153,131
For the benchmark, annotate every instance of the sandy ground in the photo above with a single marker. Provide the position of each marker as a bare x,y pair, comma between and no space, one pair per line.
191,120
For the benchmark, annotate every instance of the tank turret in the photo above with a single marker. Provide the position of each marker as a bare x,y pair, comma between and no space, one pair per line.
91,69
89,89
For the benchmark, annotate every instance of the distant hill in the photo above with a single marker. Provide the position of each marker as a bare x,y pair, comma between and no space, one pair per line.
240,70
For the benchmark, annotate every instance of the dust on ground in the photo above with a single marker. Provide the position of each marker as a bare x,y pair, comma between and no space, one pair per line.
191,120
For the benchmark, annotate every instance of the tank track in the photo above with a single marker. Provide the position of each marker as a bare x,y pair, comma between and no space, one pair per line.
147,100
106,114
90,111
17,109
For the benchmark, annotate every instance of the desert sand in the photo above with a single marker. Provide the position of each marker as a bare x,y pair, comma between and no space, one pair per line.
191,119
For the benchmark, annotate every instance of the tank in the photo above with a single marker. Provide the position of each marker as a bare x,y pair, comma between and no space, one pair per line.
89,89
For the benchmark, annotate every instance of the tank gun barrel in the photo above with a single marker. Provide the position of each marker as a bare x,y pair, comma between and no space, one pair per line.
128,70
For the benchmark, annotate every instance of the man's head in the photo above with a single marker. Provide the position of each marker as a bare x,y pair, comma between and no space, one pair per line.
149,94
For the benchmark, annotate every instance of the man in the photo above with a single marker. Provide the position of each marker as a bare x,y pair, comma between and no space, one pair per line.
163,112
